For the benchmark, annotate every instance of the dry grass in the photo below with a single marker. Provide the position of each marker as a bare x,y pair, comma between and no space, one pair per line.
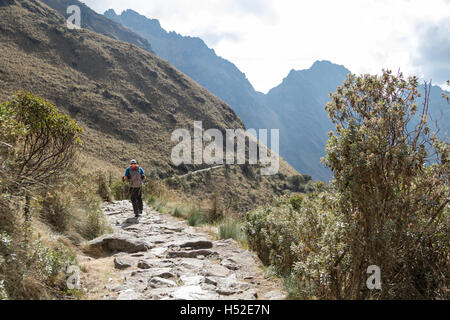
96,273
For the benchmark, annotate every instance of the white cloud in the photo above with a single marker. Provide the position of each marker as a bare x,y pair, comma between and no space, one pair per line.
267,38
433,55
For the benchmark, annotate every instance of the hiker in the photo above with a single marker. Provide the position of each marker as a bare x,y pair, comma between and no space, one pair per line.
135,175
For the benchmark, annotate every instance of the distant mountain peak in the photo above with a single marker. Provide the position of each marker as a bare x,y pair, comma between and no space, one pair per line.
110,12
131,12
320,69
139,20
322,65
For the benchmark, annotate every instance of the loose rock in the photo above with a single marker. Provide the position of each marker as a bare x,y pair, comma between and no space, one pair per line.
157,282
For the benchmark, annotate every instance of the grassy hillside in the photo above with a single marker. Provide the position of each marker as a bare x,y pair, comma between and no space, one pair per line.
98,23
128,100
192,56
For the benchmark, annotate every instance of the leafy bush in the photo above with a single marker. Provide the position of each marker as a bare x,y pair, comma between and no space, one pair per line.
150,199
296,201
38,145
48,142
392,173
32,270
103,188
231,229
56,209
283,237
117,190
51,261
297,183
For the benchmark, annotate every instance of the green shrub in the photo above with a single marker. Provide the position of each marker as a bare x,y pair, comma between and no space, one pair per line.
150,199
52,261
56,209
32,270
391,170
95,224
297,182
178,212
41,142
303,244
387,206
231,229
196,216
117,190
296,202
103,188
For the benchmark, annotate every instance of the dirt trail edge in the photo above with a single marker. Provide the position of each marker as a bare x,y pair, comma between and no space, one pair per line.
160,257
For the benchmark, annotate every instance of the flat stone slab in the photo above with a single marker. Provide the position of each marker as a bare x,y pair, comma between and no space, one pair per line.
190,253
192,280
194,244
113,243
193,293
215,270
129,294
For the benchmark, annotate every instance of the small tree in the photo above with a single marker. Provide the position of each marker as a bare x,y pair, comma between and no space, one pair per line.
38,144
392,174
46,140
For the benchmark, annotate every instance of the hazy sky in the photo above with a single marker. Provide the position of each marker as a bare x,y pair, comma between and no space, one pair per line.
265,39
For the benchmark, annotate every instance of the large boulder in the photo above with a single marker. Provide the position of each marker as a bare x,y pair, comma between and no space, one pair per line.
114,243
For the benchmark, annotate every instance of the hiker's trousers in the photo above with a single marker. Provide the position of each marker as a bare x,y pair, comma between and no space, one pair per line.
136,200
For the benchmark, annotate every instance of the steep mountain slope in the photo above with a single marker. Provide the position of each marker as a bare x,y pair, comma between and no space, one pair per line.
193,57
299,101
98,23
296,106
128,100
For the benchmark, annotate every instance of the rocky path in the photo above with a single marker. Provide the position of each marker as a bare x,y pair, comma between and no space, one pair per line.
161,257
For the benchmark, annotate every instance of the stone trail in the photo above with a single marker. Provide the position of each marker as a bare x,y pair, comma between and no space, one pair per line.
160,257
